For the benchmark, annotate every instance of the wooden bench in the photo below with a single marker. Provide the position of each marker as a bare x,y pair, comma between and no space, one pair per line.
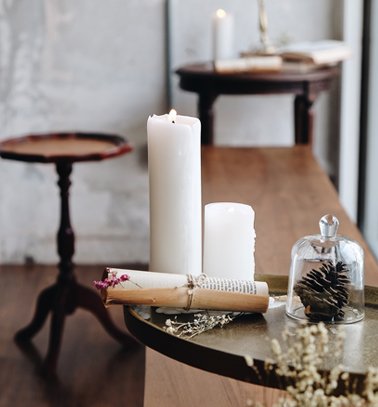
289,193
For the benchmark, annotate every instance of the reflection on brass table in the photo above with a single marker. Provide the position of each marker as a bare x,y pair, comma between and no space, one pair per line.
66,294
223,351
209,84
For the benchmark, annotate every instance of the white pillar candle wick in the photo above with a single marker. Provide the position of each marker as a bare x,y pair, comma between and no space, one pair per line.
172,115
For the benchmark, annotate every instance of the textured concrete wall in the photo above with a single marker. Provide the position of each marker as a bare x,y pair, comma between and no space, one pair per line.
88,65
94,65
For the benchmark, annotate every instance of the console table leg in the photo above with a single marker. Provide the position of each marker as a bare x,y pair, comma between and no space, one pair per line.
206,115
303,119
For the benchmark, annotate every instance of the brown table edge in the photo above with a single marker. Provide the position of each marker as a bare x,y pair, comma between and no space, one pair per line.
121,146
206,69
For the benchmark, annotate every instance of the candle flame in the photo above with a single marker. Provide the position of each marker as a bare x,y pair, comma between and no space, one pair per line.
172,115
221,13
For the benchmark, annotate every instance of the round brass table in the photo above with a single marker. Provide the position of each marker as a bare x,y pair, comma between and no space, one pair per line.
225,351
62,298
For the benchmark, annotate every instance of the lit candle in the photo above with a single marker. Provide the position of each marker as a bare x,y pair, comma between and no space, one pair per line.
223,26
229,241
174,166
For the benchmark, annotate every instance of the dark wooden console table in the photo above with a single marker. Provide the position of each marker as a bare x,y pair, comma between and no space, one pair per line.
66,294
209,84
289,193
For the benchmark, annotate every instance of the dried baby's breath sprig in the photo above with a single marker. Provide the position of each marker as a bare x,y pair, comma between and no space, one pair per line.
306,351
371,386
202,322
298,363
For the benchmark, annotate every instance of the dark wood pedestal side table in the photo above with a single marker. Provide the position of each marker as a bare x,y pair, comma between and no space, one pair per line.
209,84
63,297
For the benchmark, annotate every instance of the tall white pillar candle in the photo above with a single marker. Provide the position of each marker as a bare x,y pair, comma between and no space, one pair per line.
174,166
229,241
223,33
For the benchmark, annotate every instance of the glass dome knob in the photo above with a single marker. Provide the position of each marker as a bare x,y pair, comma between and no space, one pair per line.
328,226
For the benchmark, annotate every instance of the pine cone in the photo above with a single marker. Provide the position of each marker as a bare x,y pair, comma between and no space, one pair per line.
325,292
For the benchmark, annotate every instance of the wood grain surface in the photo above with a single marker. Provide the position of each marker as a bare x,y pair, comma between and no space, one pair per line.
289,193
173,384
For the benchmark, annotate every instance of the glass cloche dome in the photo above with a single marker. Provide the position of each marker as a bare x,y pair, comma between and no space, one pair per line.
326,281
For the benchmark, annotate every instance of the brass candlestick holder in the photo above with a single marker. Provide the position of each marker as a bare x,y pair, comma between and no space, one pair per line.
266,46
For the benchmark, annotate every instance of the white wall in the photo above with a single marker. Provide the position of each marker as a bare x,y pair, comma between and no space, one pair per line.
88,65
350,108
370,224
94,65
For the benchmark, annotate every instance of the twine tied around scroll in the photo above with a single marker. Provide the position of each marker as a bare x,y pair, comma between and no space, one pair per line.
193,282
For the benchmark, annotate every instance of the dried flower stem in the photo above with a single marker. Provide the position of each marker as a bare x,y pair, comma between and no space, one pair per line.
298,370
202,322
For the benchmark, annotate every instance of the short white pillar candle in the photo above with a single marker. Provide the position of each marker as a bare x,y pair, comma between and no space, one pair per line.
223,35
174,166
229,240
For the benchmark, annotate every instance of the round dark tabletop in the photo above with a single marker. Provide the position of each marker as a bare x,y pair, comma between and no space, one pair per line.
203,79
68,147
207,70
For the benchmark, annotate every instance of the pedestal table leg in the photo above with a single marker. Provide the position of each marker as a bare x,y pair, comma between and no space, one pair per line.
206,115
304,118
63,303
66,294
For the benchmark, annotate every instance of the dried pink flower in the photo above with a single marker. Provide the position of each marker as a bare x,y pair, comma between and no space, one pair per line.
111,281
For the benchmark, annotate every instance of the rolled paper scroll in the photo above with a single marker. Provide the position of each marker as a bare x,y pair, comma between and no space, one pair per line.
180,291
